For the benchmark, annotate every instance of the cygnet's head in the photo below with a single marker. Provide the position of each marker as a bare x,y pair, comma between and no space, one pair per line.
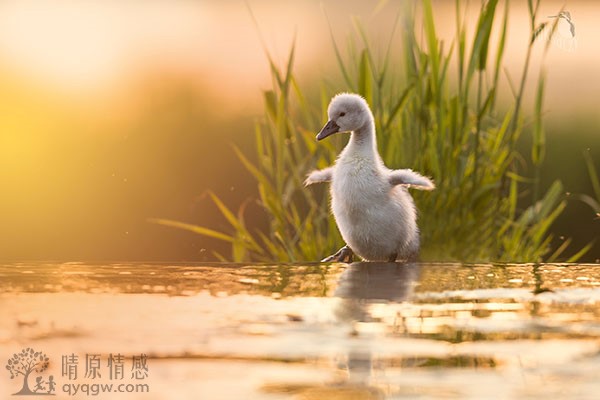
347,113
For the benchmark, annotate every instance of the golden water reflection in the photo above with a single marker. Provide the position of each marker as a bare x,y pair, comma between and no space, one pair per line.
378,330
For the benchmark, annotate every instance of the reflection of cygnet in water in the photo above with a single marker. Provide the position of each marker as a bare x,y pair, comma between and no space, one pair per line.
363,283
360,285
377,281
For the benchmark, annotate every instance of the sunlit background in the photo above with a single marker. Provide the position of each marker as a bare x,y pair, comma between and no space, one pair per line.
113,112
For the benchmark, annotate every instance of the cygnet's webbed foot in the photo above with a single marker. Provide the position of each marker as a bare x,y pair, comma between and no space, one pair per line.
345,255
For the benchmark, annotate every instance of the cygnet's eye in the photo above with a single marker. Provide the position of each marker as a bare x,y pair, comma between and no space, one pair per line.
342,114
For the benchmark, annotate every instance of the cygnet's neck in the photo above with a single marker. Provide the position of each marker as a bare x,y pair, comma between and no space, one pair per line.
363,142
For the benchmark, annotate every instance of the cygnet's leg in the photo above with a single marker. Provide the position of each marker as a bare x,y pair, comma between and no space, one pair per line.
345,255
393,257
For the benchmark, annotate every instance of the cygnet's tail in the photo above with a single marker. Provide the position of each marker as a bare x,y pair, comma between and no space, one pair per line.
410,178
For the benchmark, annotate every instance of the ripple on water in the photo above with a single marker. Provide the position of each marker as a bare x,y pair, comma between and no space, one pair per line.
314,331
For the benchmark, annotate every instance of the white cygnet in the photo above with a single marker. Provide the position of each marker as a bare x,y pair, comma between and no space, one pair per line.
370,202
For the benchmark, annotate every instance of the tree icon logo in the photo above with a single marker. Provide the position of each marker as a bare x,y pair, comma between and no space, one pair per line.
24,364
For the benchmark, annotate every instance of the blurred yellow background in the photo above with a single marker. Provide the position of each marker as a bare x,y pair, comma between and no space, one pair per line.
113,112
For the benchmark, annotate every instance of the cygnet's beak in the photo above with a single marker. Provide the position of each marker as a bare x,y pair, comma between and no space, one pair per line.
329,129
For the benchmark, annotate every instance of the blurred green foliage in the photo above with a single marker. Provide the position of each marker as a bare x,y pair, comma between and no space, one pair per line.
444,124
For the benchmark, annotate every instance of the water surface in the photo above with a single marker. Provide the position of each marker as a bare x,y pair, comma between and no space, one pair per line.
363,331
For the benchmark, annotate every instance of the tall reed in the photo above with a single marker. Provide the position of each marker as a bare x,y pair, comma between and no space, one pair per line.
435,108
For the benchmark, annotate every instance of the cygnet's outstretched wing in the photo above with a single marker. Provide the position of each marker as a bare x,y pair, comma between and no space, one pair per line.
319,176
410,178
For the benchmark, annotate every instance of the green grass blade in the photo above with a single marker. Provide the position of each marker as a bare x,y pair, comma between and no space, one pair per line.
589,162
539,139
577,256
338,54
193,228
431,38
